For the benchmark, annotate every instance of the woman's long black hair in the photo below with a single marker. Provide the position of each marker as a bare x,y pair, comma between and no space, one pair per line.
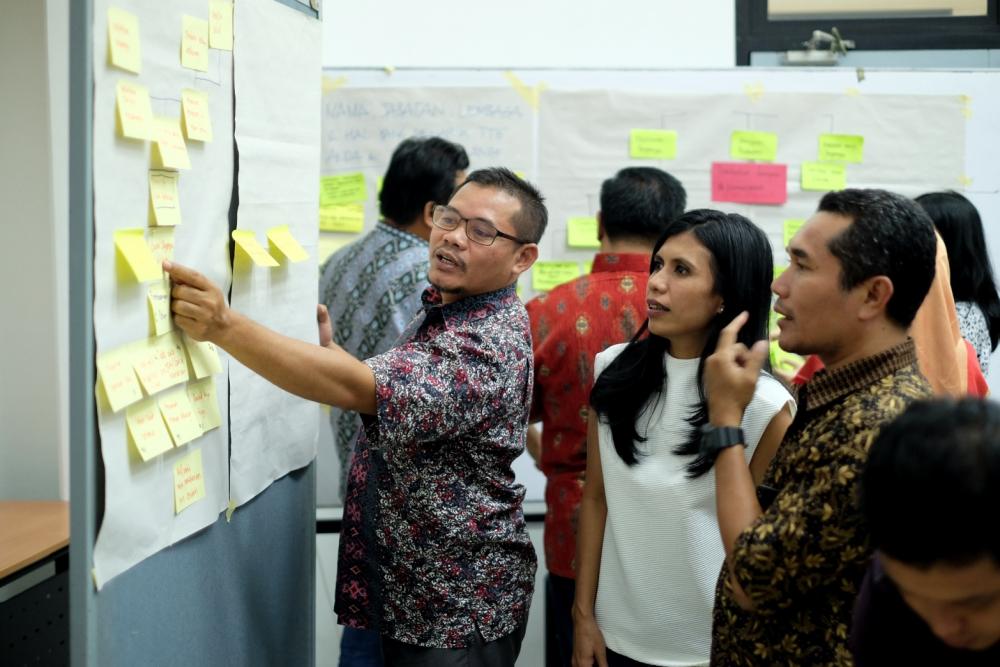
961,229
742,268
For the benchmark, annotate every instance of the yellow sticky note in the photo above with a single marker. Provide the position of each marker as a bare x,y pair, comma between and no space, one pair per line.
247,242
282,239
194,43
121,386
220,25
204,357
124,48
546,275
164,197
205,402
841,147
171,151
342,189
747,145
189,481
135,114
158,297
147,430
179,415
159,362
789,229
132,248
342,218
581,232
652,144
197,120
161,243
330,243
823,176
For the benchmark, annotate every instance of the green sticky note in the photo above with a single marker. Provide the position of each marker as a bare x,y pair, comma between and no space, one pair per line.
546,275
652,144
581,232
747,145
378,184
841,147
342,189
823,176
778,270
784,362
788,231
342,218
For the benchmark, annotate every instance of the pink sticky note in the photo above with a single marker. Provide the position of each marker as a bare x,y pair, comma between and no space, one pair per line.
749,183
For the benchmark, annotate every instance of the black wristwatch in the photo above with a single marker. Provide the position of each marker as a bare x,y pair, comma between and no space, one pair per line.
716,438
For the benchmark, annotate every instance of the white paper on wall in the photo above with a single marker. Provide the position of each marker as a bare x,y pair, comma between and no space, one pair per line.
139,514
277,83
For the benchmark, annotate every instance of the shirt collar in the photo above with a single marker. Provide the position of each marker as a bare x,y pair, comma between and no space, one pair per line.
393,230
620,261
469,308
828,386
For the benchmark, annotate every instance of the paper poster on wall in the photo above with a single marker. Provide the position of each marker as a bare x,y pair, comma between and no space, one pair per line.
278,137
139,454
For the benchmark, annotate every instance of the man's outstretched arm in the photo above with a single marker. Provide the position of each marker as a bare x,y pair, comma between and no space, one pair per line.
325,374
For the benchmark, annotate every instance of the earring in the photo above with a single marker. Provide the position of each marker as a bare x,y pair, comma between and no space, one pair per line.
722,308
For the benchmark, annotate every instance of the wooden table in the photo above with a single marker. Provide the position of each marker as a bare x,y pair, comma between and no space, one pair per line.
30,531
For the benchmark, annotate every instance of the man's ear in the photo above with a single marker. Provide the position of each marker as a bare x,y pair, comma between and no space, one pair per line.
428,216
526,256
877,292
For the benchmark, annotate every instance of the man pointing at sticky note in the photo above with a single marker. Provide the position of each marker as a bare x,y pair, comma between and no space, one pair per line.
434,553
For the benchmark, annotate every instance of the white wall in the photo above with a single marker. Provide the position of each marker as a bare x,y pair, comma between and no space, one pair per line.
32,409
530,33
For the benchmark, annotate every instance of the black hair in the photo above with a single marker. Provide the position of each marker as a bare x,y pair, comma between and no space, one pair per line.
889,235
931,486
742,271
531,219
638,202
961,229
422,169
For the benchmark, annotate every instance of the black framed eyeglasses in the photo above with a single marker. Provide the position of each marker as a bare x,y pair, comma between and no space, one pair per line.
477,230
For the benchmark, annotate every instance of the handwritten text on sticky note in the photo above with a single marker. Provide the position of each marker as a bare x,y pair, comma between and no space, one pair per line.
124,48
205,402
581,232
189,481
220,25
749,183
747,145
547,275
342,189
194,43
841,147
789,229
114,368
204,357
652,144
158,297
171,149
147,430
179,415
135,114
197,120
164,198
823,176
159,362
342,218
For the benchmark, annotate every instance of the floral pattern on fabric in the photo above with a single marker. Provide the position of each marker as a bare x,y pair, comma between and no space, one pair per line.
801,562
434,551
569,326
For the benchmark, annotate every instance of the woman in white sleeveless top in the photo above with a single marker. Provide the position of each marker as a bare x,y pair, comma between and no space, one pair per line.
648,547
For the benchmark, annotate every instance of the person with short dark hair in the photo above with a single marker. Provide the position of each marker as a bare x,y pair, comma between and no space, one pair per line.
569,326
373,287
930,492
648,551
434,552
796,547
972,284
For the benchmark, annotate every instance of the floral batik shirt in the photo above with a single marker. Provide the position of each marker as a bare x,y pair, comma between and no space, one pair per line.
802,561
569,326
372,289
434,551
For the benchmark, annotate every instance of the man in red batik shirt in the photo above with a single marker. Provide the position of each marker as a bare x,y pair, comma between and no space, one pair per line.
569,326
